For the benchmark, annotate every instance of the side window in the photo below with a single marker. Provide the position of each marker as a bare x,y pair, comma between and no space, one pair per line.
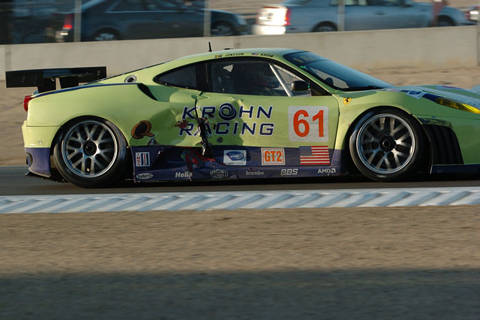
376,2
129,5
156,5
184,77
252,77
287,79
347,2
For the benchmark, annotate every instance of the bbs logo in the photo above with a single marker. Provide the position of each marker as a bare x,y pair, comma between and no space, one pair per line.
289,172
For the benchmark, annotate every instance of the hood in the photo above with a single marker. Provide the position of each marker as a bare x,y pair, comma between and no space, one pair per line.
433,93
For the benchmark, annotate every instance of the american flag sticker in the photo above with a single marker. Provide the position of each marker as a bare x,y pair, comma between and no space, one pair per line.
314,155
142,159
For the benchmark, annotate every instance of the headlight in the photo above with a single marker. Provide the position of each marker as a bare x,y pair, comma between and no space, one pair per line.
456,105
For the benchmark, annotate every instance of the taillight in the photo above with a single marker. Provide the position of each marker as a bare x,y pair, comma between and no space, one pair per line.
287,17
68,23
26,101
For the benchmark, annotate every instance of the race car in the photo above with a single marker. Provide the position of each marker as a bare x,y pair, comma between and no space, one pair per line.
242,114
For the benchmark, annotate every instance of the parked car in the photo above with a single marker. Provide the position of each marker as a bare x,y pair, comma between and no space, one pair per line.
294,16
146,19
243,114
472,13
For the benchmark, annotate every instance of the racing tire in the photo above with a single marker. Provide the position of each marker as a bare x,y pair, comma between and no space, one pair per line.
387,145
91,153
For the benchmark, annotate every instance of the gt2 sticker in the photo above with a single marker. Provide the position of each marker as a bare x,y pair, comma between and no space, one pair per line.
309,123
273,157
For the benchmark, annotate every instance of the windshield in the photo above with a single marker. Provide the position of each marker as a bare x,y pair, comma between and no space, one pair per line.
333,74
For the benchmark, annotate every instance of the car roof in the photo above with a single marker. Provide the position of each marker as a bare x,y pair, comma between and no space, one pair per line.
275,53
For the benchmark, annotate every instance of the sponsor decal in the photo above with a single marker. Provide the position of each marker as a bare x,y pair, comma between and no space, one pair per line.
230,120
254,173
308,123
414,94
219,174
142,129
235,157
185,174
144,176
327,171
142,159
273,156
289,172
229,55
317,155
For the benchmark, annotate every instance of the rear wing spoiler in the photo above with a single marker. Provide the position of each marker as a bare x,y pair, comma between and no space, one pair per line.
45,79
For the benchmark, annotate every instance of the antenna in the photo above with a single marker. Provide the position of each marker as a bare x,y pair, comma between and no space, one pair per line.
209,46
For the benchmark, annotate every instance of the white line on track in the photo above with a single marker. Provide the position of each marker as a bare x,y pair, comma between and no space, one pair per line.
240,200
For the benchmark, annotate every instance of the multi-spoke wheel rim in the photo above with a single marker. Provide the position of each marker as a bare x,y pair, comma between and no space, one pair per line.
89,149
386,144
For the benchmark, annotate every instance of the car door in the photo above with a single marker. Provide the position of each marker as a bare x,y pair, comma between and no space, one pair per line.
169,19
384,14
251,106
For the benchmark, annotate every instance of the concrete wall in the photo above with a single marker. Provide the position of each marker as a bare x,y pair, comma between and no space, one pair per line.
428,47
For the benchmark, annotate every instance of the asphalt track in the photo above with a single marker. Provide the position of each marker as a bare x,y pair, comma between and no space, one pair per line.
21,194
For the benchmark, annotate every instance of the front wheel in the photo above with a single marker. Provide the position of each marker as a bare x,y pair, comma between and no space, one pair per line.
91,153
387,145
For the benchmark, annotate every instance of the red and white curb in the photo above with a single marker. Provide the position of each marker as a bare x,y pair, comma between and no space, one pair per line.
202,201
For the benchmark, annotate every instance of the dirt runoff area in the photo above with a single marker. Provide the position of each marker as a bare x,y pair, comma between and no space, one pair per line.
353,263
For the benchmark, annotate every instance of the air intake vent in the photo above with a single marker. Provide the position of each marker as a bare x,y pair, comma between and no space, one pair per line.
445,147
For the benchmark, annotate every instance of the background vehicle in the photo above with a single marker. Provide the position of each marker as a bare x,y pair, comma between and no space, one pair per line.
472,13
146,19
294,16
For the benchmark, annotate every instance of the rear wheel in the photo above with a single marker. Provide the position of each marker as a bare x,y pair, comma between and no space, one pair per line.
444,22
105,35
387,145
91,153
325,27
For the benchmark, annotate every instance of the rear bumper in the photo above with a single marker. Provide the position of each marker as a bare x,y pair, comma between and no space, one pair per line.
268,30
38,161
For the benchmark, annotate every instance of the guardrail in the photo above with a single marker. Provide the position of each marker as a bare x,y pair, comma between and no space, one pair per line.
426,47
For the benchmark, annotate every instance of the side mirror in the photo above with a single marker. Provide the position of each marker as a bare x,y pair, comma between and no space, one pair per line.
300,86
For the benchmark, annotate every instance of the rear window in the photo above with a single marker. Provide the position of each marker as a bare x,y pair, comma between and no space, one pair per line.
185,77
